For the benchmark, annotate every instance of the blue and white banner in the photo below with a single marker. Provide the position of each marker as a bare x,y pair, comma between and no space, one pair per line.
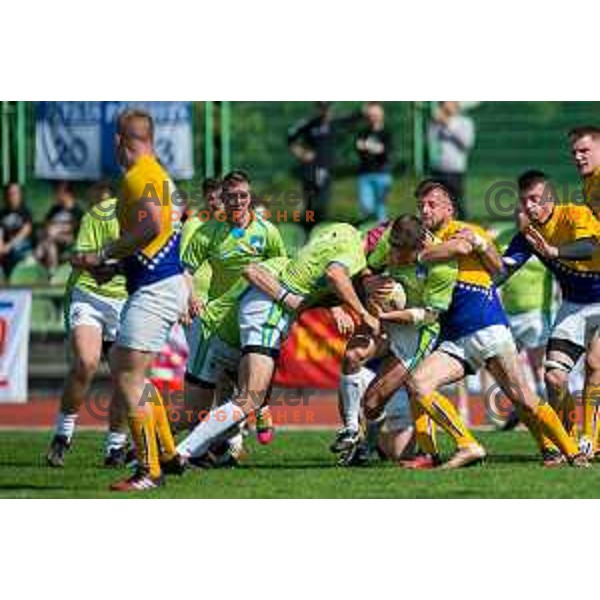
75,140
15,321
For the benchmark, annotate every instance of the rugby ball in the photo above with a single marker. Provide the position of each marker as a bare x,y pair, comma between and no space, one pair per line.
395,299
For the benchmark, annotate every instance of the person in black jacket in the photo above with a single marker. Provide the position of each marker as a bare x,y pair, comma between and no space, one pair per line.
311,142
15,229
374,146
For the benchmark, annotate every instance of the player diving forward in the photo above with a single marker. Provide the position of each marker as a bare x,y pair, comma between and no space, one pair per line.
474,333
324,267
566,239
412,332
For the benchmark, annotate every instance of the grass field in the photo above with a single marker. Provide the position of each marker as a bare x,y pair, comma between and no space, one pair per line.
297,465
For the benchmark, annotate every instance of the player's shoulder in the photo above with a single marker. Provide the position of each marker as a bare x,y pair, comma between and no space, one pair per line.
340,231
205,230
100,213
147,169
579,217
456,225
577,212
264,225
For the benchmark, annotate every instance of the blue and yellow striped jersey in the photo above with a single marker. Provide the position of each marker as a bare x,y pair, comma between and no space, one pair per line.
475,303
579,280
146,179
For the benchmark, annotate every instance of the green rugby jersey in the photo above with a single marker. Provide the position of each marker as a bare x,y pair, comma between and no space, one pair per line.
337,243
221,315
427,285
202,276
228,249
98,227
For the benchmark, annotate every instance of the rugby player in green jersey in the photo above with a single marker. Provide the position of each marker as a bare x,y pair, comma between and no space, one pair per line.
228,242
410,334
323,268
92,314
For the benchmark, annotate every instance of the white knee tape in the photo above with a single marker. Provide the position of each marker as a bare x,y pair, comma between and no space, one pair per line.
549,365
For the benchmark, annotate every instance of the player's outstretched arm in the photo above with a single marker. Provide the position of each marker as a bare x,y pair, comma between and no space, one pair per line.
269,284
342,285
410,316
450,250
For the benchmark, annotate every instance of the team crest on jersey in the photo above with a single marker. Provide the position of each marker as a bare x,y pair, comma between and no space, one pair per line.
257,242
255,245
421,271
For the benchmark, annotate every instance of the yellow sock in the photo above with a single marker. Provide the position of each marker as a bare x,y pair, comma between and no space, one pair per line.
533,425
425,430
569,415
163,427
442,411
143,432
552,427
590,411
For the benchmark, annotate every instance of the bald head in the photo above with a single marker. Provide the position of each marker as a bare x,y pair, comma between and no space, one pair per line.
135,136
136,125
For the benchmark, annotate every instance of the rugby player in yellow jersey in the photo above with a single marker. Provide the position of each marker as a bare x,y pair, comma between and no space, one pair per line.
158,292
474,333
92,314
585,148
565,237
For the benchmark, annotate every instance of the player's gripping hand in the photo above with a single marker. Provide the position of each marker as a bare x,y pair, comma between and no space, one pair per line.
344,323
194,309
378,287
536,239
86,260
371,322
195,306
292,302
105,271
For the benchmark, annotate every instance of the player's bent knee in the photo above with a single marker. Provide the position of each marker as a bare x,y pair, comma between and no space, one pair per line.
420,385
373,407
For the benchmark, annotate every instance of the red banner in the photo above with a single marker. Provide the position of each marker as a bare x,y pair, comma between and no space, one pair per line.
311,355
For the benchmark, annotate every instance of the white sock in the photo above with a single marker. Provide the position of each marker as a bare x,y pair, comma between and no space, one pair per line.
115,440
65,424
352,389
212,427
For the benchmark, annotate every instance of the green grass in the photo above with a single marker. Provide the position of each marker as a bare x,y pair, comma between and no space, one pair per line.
297,465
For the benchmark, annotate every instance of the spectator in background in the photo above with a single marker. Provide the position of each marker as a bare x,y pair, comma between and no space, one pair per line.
374,145
60,227
211,190
311,142
15,229
450,137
